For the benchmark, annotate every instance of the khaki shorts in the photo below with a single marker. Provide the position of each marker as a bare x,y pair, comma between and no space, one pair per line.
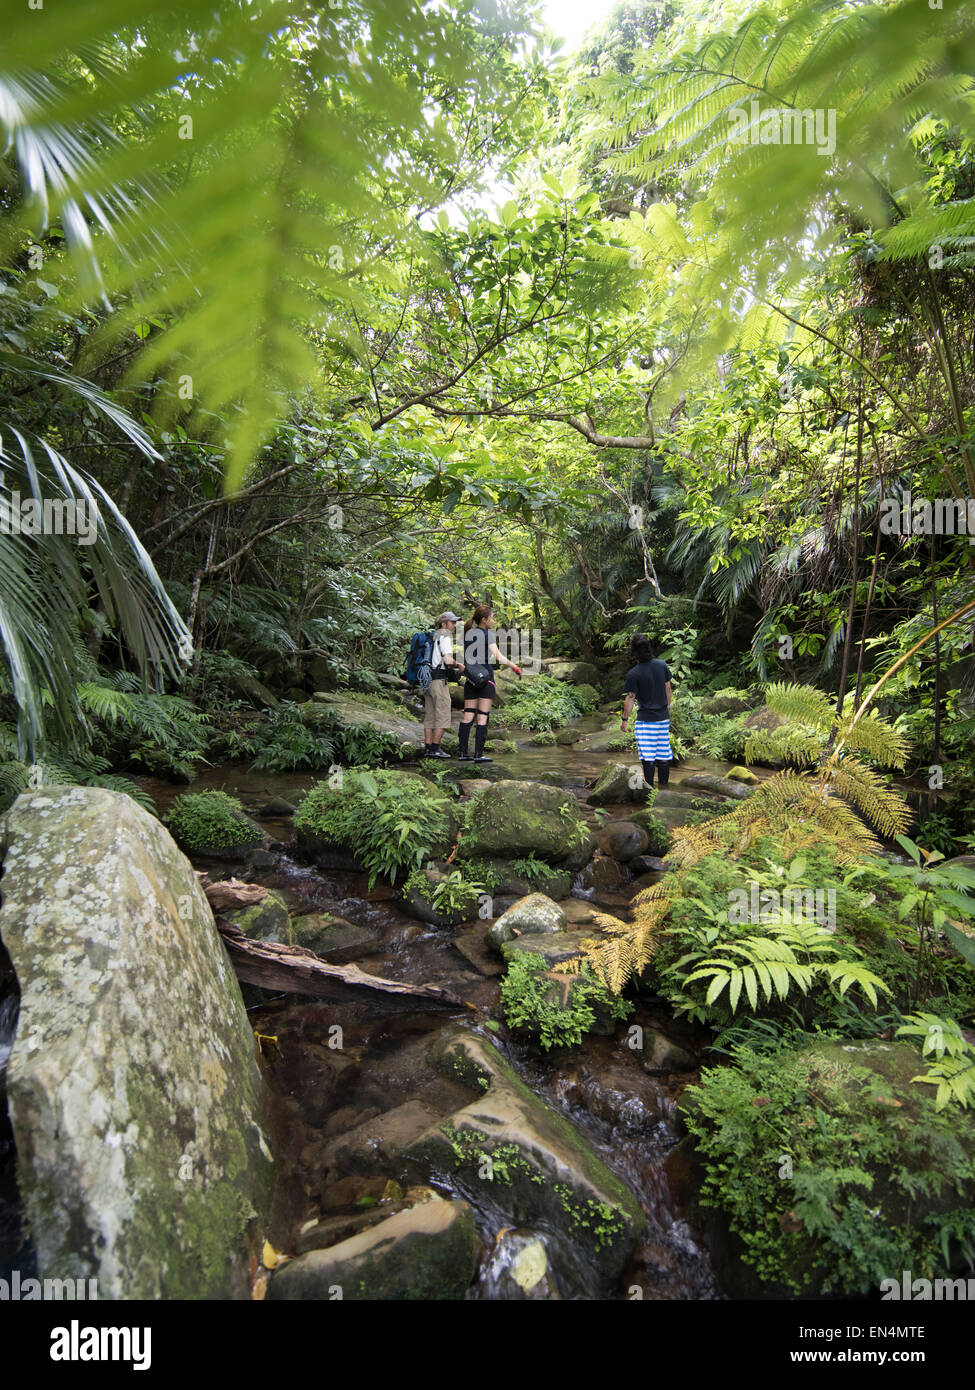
436,706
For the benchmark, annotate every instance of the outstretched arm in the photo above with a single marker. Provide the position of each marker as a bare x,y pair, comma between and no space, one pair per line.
495,655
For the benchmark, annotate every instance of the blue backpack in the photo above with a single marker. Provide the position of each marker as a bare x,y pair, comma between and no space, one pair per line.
419,663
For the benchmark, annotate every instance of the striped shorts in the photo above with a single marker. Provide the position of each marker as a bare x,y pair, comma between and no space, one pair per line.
653,741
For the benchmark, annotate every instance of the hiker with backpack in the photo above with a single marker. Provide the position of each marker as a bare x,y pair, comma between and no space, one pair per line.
428,666
648,684
481,660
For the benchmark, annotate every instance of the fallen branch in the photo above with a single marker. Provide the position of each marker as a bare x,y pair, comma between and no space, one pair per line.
296,970
230,894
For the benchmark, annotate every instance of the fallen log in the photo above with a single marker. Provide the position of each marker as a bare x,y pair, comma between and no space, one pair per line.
296,970
230,893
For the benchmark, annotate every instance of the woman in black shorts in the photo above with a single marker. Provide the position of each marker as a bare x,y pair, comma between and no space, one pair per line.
480,649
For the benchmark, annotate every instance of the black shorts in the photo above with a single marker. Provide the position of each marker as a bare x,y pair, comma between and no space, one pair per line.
483,692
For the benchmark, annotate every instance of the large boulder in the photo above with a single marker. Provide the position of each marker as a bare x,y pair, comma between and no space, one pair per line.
427,1252
534,915
134,1093
521,1164
622,839
513,819
355,711
578,672
618,782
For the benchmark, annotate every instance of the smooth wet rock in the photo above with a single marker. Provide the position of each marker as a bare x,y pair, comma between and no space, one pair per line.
332,938
473,945
622,839
513,819
277,806
378,1143
533,915
353,711
428,1252
647,864
541,1172
724,786
661,1054
134,1091
603,873
518,1268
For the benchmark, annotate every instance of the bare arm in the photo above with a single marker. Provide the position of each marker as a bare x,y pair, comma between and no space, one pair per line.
667,688
495,655
627,707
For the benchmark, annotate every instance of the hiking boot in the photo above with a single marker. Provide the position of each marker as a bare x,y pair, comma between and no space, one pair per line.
464,758
483,759
439,753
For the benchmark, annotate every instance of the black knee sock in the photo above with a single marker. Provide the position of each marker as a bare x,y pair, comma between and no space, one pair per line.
480,734
464,736
663,773
648,773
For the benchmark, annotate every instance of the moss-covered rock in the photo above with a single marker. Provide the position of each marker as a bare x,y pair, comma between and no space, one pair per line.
268,920
578,672
427,1252
618,782
212,825
133,1086
533,915
337,824
520,1163
332,938
511,819
351,710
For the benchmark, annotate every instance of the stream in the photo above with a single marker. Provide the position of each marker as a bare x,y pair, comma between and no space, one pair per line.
321,1093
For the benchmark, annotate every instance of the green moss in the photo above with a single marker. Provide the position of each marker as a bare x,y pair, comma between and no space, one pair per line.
209,820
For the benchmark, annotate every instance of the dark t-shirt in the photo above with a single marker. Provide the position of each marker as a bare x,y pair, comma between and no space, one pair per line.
648,683
476,644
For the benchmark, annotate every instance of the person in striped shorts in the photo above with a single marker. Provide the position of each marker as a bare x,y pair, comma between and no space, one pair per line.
648,684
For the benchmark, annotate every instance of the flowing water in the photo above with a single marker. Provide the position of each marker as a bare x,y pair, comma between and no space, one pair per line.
320,1092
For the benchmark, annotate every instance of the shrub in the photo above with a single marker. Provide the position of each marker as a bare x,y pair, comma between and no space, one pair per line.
391,820
455,895
209,820
543,703
531,999
834,1175
291,737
